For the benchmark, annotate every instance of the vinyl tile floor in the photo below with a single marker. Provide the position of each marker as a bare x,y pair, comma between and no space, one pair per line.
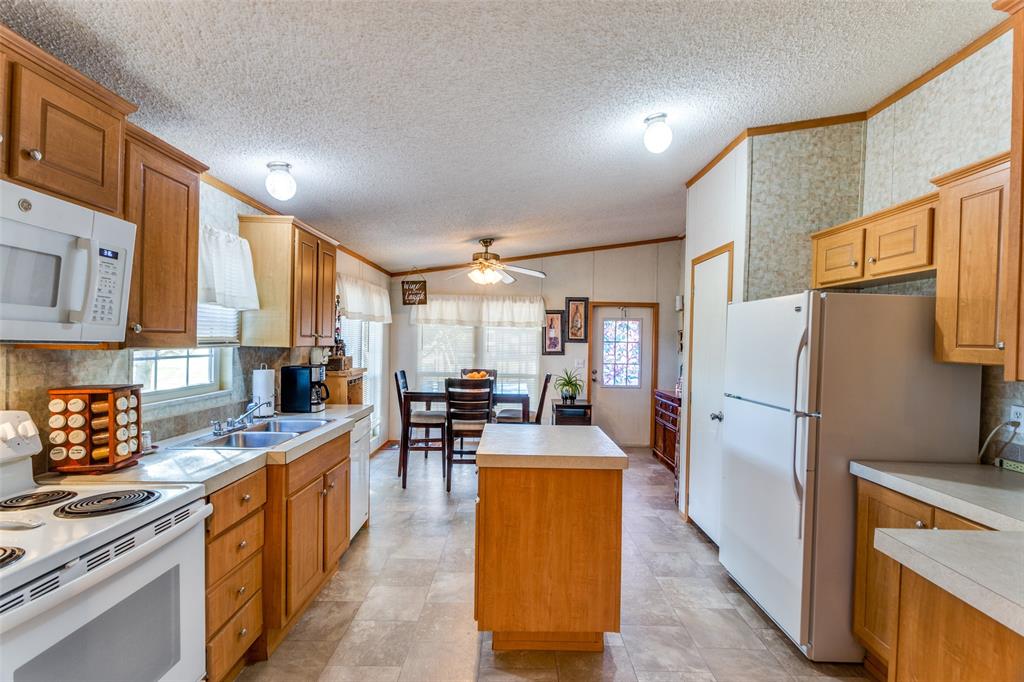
401,605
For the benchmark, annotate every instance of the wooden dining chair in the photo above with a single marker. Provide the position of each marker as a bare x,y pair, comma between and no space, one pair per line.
427,419
468,405
514,415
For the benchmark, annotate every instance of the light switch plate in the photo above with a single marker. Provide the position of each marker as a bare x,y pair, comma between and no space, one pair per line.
580,364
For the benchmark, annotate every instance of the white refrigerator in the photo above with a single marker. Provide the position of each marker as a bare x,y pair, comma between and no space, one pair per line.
812,381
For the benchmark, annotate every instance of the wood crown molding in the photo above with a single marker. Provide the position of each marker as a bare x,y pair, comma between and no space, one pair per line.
1008,6
217,183
940,68
151,140
960,173
773,129
544,254
14,42
923,200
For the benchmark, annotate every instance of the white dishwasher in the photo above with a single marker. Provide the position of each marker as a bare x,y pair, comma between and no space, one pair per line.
359,493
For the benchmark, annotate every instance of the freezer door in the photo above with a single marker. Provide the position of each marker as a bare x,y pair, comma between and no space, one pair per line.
763,346
766,508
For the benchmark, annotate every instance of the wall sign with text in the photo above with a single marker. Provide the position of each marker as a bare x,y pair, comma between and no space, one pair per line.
414,292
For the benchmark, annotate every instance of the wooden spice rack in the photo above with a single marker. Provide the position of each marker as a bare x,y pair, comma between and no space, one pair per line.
94,429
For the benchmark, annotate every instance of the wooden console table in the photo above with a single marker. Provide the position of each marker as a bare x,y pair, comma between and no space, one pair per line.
571,414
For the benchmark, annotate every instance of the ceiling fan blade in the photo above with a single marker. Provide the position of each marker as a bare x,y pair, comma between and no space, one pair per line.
458,273
523,271
505,277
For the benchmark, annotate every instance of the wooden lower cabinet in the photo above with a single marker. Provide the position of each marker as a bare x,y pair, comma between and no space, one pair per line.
942,638
877,590
234,574
307,532
666,429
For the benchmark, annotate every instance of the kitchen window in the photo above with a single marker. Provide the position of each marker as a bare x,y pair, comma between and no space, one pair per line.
170,373
514,353
620,353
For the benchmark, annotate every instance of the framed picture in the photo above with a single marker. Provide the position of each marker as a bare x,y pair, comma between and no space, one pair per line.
577,319
554,333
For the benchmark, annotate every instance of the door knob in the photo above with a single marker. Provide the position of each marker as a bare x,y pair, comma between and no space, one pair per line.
34,154
717,416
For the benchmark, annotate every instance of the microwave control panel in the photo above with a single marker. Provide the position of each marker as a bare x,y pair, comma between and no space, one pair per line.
106,301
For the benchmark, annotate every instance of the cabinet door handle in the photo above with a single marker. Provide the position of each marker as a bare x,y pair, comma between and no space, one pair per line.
246,497
717,416
919,524
871,259
241,590
331,485
853,264
136,327
243,544
34,154
1000,345
323,493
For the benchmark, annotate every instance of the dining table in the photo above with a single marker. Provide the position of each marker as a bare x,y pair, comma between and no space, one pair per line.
430,397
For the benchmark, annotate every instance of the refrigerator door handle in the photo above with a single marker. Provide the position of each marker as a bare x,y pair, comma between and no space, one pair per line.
797,485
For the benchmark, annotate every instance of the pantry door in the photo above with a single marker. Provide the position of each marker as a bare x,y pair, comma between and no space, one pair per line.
622,366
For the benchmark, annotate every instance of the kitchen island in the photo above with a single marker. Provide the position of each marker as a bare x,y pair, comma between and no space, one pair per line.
548,536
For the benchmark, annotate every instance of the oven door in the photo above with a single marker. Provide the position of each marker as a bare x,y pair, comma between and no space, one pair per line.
44,265
142,620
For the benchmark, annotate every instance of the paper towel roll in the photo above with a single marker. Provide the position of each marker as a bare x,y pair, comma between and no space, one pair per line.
263,390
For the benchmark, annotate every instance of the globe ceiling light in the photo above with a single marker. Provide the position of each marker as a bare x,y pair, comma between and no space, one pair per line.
485,275
658,135
280,183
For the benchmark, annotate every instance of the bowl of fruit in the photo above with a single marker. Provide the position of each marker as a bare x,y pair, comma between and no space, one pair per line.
476,375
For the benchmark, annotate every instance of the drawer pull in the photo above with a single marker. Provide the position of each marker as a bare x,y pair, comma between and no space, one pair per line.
241,590
919,524
853,264
243,544
246,497
34,154
243,632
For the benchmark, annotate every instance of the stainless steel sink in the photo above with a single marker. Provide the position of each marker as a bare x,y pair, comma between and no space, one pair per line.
242,440
288,425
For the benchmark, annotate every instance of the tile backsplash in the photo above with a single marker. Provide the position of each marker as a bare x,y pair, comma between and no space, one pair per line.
27,373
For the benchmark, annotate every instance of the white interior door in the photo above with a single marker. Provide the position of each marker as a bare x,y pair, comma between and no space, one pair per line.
710,287
621,373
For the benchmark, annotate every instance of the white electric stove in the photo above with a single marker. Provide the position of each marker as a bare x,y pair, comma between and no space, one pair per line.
97,581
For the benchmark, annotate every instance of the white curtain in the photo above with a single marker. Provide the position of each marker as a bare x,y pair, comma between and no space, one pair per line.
360,300
226,276
481,311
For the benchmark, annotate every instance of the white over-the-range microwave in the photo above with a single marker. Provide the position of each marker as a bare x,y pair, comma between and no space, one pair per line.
65,270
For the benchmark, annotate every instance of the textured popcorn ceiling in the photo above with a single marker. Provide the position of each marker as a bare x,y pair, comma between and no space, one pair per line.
417,127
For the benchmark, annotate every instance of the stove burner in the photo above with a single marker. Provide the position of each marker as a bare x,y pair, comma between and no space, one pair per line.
8,555
40,498
106,503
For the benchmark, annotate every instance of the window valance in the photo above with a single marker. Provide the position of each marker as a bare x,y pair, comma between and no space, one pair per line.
226,277
481,311
361,300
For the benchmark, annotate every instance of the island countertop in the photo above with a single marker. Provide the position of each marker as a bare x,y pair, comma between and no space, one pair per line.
530,446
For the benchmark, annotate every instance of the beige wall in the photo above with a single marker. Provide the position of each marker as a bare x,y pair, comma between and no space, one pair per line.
648,273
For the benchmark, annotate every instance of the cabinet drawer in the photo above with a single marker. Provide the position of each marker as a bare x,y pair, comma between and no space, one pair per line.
313,464
238,500
227,596
945,520
232,548
64,143
839,257
228,645
903,242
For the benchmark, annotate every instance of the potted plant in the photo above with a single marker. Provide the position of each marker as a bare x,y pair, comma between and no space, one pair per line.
570,384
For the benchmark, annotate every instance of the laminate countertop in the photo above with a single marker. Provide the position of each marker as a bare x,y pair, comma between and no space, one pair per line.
984,569
216,468
532,446
981,493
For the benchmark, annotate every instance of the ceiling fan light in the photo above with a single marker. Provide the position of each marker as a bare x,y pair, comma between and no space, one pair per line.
493,276
279,183
658,135
478,276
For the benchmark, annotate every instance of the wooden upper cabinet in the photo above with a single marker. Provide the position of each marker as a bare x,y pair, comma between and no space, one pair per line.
65,133
893,242
877,577
295,278
839,257
971,258
162,199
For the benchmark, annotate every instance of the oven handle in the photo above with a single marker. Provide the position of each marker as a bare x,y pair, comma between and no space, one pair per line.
91,278
22,615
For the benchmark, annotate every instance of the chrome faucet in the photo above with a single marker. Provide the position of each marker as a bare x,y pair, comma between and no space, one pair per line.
221,427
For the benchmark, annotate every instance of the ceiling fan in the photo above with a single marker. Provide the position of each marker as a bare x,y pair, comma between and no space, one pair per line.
487,268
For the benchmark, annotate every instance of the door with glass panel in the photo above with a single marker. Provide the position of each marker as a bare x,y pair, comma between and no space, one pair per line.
621,369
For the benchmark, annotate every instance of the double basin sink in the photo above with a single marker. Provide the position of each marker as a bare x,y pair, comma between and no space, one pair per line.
260,435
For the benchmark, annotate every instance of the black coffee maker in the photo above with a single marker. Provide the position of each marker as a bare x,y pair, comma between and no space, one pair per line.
303,388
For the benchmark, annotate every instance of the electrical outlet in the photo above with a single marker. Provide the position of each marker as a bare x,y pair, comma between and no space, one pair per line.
1017,413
